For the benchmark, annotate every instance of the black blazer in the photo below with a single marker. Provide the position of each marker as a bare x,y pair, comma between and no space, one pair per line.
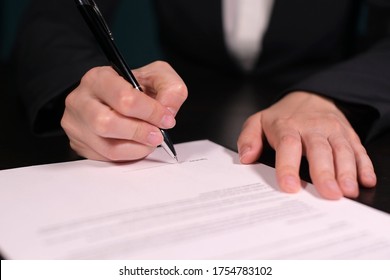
337,48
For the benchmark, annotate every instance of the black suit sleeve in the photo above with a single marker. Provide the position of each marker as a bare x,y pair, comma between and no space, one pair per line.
361,85
53,51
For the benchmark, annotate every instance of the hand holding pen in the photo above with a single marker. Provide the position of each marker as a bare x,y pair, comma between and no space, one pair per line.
107,118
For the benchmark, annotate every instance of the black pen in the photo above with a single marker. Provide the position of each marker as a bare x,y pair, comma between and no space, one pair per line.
99,28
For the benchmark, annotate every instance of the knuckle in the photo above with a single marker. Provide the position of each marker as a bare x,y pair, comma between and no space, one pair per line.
68,99
282,124
90,76
95,74
102,123
65,123
182,91
162,64
126,100
342,144
71,99
290,140
318,142
335,124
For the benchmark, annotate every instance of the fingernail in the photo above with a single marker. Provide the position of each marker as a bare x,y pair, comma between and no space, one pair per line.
332,186
332,190
243,152
168,121
350,187
290,184
154,138
370,176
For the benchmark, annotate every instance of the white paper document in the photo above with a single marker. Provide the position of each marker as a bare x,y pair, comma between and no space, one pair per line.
207,206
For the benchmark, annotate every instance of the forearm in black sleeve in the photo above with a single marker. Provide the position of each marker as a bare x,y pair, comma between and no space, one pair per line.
361,82
53,51
360,85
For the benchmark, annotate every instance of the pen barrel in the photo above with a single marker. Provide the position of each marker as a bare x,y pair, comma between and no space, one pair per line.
107,44
167,144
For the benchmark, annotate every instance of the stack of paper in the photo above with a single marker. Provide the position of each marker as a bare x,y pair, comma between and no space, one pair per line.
208,206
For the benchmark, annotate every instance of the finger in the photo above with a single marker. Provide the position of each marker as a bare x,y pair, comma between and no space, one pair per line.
250,141
107,123
162,81
93,147
322,172
345,165
288,154
72,129
86,112
365,168
82,150
117,93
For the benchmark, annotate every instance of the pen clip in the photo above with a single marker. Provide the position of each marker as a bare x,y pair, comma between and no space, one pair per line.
101,19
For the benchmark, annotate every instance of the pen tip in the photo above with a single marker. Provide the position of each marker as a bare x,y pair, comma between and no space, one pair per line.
176,159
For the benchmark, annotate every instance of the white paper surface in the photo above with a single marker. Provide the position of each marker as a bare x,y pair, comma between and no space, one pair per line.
208,206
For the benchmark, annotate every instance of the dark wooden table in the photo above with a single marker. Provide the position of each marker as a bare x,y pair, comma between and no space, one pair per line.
215,112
